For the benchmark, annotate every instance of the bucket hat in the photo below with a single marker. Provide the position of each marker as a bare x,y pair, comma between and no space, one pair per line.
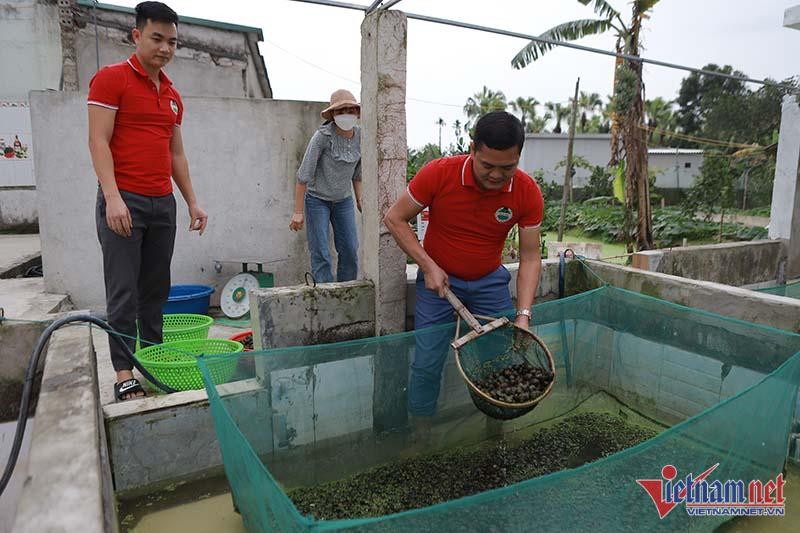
339,99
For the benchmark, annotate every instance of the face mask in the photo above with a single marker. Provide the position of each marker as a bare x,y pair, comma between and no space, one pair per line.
345,122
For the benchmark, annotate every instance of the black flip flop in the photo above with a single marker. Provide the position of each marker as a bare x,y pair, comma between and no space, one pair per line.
129,386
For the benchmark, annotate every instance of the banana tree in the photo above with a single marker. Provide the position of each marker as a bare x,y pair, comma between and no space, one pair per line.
627,120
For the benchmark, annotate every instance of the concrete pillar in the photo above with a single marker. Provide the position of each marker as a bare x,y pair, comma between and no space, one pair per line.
785,214
383,160
383,167
69,57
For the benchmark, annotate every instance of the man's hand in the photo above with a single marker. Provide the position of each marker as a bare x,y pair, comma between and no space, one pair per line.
198,219
358,204
118,217
296,224
436,279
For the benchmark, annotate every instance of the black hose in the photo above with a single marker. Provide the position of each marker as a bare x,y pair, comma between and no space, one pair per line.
27,389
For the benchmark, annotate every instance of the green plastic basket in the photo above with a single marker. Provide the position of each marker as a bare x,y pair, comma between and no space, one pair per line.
175,364
181,327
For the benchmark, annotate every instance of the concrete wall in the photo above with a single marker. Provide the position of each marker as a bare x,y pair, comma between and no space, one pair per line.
785,212
17,182
68,485
209,61
30,48
545,151
243,155
213,59
791,17
674,171
737,264
743,304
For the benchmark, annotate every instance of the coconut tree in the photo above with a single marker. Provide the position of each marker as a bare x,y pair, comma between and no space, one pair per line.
538,123
484,102
628,105
660,118
526,107
588,103
441,123
559,112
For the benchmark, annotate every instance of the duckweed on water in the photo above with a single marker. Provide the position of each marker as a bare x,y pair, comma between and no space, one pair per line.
427,480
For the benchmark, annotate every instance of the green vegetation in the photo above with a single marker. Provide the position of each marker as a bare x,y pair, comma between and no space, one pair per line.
670,225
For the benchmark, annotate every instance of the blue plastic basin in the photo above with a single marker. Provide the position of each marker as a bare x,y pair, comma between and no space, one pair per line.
193,299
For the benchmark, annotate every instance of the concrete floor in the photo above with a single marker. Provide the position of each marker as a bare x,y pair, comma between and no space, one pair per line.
17,250
106,376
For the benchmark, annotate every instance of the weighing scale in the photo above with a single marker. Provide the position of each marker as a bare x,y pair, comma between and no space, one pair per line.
234,299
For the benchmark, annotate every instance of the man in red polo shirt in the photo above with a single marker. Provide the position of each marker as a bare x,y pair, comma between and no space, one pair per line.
474,200
137,151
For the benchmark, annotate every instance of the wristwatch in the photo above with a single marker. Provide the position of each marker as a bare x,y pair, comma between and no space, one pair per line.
526,312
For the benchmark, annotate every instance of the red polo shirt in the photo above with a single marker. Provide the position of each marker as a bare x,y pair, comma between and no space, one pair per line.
468,226
143,126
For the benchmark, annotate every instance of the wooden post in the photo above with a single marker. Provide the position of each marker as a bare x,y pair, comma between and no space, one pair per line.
567,193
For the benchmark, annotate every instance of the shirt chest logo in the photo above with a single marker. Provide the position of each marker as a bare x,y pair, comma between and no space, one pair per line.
503,214
174,106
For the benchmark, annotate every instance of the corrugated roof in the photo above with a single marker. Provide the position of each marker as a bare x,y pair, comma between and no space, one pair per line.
673,151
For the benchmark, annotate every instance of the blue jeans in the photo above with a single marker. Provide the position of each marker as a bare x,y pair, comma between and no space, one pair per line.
341,215
488,295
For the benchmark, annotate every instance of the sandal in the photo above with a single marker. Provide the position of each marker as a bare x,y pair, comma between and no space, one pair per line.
128,387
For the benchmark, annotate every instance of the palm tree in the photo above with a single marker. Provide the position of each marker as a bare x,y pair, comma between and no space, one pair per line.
441,123
588,103
538,124
484,102
559,111
526,107
660,117
628,105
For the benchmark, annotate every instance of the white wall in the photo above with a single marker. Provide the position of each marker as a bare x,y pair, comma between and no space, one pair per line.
30,48
17,183
194,72
243,155
670,177
545,151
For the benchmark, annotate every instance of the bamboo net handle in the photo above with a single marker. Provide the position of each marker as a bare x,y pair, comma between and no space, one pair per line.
462,311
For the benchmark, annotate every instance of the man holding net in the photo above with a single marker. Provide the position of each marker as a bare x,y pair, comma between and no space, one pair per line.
474,200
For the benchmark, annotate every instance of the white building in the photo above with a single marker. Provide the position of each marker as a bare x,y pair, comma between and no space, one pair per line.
677,167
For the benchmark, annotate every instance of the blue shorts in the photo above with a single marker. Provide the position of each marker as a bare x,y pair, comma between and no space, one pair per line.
488,295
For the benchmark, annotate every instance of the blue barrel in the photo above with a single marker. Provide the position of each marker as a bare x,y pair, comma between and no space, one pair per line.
192,299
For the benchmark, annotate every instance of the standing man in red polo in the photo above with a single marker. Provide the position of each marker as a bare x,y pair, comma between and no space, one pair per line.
137,151
474,201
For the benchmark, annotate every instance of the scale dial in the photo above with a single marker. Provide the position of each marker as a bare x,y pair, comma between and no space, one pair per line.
234,299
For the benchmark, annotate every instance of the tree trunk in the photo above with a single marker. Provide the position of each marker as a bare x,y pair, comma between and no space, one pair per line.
616,157
634,139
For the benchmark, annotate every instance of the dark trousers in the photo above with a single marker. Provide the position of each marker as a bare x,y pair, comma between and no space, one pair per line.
137,270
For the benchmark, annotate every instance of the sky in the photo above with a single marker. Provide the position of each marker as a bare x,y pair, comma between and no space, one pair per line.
311,50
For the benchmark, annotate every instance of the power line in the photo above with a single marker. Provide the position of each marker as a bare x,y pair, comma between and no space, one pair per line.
311,64
323,69
702,140
551,42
